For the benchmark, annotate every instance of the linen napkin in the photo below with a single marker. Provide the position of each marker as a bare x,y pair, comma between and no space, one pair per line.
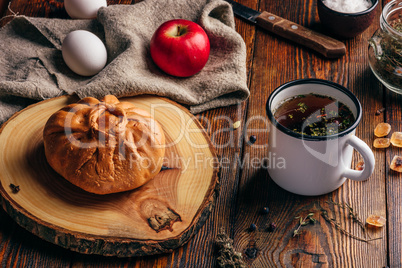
32,67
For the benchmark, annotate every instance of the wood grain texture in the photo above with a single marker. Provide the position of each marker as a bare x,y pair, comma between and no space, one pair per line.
325,45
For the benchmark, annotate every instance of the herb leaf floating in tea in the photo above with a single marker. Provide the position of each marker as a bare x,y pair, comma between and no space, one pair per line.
228,257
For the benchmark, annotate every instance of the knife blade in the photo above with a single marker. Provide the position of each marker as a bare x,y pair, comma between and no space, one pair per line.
325,45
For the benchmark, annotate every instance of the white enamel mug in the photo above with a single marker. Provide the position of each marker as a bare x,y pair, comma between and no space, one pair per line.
308,165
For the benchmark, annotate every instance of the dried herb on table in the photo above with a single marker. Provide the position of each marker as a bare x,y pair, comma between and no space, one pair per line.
303,222
380,111
389,64
228,257
251,253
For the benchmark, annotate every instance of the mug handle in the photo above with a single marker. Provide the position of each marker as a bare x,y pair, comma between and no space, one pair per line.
368,157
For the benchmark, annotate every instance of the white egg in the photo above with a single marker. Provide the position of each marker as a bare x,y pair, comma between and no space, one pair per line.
83,9
84,53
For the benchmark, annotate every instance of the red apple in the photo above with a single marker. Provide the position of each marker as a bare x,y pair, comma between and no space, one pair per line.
180,47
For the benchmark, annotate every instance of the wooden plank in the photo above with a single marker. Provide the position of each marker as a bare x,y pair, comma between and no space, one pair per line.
276,61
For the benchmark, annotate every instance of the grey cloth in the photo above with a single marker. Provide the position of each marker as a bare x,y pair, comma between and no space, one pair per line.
32,67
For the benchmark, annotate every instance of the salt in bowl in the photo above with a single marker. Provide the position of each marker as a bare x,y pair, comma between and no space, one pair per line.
346,25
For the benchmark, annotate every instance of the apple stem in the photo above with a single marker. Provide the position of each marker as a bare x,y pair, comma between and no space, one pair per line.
181,29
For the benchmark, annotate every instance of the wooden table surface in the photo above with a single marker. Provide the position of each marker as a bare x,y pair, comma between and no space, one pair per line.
245,190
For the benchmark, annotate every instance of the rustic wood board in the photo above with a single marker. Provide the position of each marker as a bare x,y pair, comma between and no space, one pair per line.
277,61
116,224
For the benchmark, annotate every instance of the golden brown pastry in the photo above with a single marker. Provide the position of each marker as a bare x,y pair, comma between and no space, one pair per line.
104,146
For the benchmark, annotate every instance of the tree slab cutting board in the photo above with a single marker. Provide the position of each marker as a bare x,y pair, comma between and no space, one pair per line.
155,218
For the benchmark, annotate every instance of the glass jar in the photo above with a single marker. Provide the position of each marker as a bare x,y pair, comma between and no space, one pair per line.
385,49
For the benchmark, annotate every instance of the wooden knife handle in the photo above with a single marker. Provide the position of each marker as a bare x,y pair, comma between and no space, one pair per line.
327,46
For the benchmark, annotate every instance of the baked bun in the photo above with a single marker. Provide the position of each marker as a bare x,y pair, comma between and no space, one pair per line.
104,146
